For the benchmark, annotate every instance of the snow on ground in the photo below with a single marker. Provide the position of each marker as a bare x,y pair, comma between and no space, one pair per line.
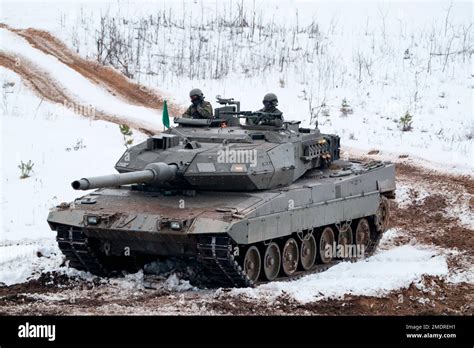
405,195
79,87
386,271
459,204
461,272
169,281
23,260
462,276
63,146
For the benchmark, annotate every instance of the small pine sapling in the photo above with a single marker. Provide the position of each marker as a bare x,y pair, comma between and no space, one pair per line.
26,169
346,108
406,122
127,135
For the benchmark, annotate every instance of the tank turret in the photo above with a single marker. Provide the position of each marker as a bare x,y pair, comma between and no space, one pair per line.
222,154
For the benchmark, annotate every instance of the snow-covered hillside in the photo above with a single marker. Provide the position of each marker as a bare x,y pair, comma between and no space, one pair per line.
82,90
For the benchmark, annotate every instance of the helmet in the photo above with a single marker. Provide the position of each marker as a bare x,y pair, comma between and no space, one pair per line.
196,91
270,97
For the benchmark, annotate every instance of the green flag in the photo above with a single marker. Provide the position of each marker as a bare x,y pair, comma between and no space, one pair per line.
166,118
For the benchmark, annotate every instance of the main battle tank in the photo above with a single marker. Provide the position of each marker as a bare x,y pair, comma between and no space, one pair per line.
246,201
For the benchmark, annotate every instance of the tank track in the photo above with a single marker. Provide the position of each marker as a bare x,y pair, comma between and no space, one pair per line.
215,253
74,245
216,257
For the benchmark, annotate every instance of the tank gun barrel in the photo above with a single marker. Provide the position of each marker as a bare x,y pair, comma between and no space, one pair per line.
153,173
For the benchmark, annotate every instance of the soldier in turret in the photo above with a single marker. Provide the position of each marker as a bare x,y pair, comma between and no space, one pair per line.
271,116
199,108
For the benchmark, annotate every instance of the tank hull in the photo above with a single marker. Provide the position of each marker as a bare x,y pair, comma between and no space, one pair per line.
128,221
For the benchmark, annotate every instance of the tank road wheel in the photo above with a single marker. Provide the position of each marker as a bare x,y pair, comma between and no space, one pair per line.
325,243
252,263
290,257
382,215
308,252
344,238
362,234
271,261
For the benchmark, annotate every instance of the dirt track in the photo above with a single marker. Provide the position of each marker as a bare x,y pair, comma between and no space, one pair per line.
110,79
425,221
44,86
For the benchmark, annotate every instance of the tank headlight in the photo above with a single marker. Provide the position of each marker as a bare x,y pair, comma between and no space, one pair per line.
238,168
93,220
175,225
